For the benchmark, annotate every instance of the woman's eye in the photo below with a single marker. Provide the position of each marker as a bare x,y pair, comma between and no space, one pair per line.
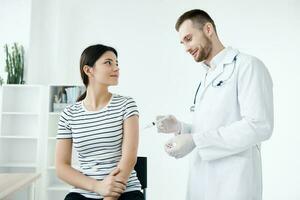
108,62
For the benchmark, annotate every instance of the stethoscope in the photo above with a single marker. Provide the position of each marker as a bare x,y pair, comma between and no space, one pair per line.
214,84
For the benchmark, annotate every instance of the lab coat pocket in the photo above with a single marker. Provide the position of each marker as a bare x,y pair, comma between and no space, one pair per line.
236,173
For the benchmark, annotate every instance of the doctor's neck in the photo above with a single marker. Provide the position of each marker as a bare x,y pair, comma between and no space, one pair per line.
216,47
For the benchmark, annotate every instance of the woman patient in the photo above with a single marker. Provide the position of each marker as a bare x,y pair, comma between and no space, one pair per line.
103,128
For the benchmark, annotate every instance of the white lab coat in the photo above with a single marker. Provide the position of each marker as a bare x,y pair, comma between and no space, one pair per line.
230,122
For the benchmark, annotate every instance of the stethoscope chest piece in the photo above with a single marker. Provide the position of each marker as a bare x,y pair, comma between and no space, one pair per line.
192,108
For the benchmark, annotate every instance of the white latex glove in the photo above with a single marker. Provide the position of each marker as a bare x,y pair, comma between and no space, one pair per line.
168,124
180,145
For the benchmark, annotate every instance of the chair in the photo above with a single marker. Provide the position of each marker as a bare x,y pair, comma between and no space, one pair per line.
141,170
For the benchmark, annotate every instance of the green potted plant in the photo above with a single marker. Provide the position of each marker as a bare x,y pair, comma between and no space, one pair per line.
1,81
14,64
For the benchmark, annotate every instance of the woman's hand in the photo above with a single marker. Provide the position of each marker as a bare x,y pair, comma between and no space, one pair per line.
110,198
111,185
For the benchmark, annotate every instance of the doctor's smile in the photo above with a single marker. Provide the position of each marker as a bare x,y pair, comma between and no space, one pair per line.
195,53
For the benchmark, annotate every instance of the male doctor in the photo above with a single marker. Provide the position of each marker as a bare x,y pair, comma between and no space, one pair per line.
233,114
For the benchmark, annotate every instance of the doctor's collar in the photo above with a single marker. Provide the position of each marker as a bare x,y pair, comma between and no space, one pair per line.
226,55
218,59
205,66
215,61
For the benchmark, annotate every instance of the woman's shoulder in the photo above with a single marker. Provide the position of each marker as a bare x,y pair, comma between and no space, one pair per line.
122,97
124,100
71,108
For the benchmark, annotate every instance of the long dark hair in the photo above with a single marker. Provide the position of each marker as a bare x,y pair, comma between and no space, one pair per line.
88,57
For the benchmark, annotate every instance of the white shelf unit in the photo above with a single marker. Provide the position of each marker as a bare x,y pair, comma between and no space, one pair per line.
28,128
20,129
54,188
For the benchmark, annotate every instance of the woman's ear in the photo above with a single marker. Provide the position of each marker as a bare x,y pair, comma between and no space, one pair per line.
88,70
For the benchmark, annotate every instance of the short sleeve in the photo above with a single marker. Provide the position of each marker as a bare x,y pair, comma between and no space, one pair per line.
130,108
64,129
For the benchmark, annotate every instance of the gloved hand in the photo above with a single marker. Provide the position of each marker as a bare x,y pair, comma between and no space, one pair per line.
168,124
180,145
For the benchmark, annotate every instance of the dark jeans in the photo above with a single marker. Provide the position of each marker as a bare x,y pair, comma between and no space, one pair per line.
133,195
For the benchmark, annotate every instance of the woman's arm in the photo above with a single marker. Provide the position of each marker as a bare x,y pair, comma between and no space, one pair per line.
129,146
110,186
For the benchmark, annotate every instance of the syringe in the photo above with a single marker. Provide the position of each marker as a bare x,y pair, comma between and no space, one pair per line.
151,124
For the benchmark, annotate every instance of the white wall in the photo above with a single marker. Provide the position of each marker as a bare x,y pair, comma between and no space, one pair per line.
14,27
162,78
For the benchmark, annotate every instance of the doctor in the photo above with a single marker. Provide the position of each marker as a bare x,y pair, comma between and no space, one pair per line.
233,114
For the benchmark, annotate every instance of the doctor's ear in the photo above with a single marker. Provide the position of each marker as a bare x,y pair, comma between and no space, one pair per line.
88,70
208,29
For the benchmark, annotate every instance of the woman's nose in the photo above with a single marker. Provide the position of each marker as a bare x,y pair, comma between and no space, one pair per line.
116,68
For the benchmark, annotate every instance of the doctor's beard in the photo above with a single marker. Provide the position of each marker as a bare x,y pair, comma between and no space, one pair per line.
204,51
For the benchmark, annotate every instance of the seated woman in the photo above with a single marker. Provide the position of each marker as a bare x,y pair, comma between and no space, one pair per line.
103,128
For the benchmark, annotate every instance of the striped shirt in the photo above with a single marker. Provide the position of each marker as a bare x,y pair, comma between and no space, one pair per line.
97,138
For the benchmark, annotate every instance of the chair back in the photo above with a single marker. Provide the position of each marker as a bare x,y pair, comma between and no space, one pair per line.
141,170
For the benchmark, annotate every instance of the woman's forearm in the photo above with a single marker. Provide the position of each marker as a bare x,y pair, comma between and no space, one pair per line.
75,178
126,166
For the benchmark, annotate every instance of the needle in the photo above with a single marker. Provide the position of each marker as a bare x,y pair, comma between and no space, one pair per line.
151,124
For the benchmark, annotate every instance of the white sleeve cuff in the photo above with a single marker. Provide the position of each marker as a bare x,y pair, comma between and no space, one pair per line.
184,128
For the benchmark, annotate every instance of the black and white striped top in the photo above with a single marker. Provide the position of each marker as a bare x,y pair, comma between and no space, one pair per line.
97,138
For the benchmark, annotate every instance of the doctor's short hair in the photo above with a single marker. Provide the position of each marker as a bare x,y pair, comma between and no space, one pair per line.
198,17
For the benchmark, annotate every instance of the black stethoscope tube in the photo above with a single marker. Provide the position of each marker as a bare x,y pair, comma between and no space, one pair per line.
192,108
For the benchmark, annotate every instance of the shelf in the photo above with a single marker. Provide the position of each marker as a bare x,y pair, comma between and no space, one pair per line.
54,168
53,125
18,164
21,86
17,137
71,92
28,131
59,188
18,152
55,113
21,169
16,124
21,99
20,113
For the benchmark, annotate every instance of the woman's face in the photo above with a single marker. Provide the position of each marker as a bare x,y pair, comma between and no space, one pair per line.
105,70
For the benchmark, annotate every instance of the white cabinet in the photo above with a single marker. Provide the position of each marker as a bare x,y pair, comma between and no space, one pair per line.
20,123
28,128
20,128
55,188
